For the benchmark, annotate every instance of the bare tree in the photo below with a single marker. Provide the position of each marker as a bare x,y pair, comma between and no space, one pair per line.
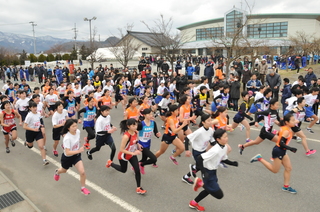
302,42
125,49
167,41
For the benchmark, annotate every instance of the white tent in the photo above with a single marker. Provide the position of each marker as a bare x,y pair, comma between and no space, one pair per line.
106,53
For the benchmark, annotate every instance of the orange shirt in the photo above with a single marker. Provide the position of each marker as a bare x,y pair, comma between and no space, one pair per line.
222,123
219,73
185,111
175,122
132,114
45,89
282,130
85,103
106,100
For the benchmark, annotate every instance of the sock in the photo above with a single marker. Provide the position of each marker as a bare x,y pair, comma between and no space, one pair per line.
308,128
43,160
286,186
173,157
186,176
82,188
194,166
248,138
259,159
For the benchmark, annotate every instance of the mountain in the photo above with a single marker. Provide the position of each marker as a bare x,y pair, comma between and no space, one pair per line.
18,42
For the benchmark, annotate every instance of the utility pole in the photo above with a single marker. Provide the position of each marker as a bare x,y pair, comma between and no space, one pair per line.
86,19
75,36
34,37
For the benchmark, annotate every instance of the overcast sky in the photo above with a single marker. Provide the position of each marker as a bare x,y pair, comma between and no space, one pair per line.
58,18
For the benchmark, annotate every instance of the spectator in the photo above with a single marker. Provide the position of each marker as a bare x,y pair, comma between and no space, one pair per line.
189,71
31,73
165,67
209,73
246,75
219,72
235,93
286,93
273,80
263,68
309,76
254,84
196,72
178,67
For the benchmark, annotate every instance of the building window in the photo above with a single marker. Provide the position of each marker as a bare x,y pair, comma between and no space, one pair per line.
209,33
270,30
144,49
234,21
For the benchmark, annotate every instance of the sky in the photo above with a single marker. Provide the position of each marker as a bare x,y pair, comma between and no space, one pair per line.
57,17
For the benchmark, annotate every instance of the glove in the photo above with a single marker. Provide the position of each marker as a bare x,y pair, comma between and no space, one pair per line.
292,149
251,119
234,163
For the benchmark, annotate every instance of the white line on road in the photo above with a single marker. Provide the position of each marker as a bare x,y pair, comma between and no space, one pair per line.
97,188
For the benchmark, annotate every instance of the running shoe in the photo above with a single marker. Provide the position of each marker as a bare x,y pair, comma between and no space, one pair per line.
140,191
187,180
155,165
109,162
87,145
248,140
299,139
174,151
56,176
89,155
173,160
7,150
85,191
12,142
195,205
255,158
141,169
223,165
163,127
289,189
45,162
241,148
55,153
310,130
192,170
198,183
311,152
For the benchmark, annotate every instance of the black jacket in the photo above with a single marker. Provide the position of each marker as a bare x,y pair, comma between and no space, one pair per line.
182,83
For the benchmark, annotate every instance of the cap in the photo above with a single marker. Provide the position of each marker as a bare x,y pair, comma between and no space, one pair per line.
162,81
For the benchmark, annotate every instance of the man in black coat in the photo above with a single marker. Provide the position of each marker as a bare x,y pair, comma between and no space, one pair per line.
165,67
209,72
182,82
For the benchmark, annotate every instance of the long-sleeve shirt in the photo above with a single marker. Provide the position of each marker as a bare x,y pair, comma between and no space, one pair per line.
270,116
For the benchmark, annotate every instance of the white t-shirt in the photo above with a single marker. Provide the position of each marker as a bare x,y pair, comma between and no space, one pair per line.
97,95
51,99
110,88
33,120
77,92
164,103
59,118
5,87
61,90
103,124
213,157
207,86
71,142
172,87
41,97
40,108
201,138
137,82
87,89
22,104
290,102
310,99
160,90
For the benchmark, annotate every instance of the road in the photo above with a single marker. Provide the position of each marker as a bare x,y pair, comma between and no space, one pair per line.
249,187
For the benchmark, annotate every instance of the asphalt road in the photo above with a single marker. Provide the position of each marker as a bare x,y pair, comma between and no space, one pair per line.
249,187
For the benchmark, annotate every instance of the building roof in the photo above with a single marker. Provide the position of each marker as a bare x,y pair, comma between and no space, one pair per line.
256,16
148,38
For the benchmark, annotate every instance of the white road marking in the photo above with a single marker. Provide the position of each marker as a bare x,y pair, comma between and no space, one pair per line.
94,186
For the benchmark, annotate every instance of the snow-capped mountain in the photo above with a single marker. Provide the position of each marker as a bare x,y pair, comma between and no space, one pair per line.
19,42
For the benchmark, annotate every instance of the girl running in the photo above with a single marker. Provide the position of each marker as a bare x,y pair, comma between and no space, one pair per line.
163,107
170,134
72,153
146,128
32,125
70,104
22,106
185,114
129,149
89,118
50,101
87,88
104,129
208,163
8,124
119,93
106,99
279,154
59,119
77,95
132,111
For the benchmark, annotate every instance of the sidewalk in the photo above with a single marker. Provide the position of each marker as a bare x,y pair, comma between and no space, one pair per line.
12,199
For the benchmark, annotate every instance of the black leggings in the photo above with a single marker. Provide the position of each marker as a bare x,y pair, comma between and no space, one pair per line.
146,153
124,165
112,147
91,133
260,118
203,194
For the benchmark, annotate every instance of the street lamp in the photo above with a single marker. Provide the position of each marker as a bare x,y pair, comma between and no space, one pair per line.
86,19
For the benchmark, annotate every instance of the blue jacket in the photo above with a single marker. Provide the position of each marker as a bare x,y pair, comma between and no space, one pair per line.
59,75
178,67
256,83
91,73
308,78
190,70
286,93
208,71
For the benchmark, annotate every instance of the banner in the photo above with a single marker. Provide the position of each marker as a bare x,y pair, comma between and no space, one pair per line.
71,67
27,62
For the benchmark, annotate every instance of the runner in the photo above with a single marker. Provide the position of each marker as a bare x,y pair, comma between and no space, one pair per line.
132,111
50,101
72,153
59,119
129,149
8,124
69,104
311,99
104,129
208,163
279,152
22,106
163,107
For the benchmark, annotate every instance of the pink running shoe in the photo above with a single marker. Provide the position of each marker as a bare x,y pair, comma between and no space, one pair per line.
85,191
311,152
155,166
141,169
109,162
55,153
56,176
173,160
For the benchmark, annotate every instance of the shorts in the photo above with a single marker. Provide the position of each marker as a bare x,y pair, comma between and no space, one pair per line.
78,99
23,114
265,134
168,139
32,136
213,107
196,153
52,107
238,118
296,128
278,152
164,112
42,122
61,96
211,182
309,112
102,140
185,128
56,133
198,112
7,130
158,99
68,162
71,114
118,98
